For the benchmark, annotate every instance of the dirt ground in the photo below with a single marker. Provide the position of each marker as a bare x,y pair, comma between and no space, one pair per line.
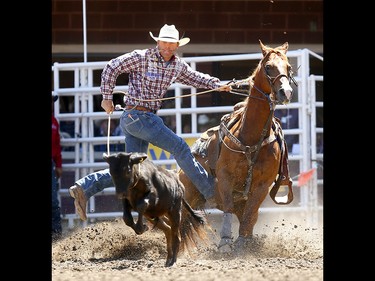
289,249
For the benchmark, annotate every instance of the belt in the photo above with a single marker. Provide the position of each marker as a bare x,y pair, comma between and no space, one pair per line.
141,108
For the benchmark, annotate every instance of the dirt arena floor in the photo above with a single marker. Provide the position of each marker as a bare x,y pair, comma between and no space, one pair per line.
289,249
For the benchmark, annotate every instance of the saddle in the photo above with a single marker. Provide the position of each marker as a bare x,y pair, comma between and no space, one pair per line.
208,146
203,148
202,145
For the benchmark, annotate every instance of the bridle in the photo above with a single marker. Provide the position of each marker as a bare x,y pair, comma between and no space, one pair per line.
271,80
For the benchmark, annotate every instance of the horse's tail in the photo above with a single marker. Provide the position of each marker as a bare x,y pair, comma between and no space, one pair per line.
193,227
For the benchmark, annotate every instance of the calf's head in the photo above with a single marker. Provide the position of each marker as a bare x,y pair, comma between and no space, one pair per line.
121,170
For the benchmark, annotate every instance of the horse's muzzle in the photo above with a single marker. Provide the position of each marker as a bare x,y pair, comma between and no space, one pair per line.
288,95
284,96
285,92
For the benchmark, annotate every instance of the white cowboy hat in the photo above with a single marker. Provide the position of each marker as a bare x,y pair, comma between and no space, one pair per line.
169,33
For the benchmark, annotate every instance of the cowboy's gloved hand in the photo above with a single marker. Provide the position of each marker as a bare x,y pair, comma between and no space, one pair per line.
108,106
226,88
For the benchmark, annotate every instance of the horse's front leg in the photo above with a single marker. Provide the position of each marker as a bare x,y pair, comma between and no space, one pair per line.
250,217
225,244
224,188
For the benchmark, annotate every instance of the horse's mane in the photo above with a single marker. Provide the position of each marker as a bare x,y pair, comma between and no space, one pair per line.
255,72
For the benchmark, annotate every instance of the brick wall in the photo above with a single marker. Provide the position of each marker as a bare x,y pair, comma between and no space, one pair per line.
205,22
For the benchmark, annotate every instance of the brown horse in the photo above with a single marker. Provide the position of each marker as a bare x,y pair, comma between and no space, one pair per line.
247,152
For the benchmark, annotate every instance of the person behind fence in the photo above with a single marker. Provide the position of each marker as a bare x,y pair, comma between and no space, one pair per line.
289,120
102,131
151,72
56,174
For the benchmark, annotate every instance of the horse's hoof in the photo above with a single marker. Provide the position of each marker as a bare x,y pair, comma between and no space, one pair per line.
225,249
225,245
255,243
240,241
144,229
141,230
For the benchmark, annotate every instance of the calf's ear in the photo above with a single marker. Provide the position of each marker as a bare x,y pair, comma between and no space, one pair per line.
107,158
136,158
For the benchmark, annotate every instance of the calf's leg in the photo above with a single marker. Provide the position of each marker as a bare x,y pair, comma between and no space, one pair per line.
167,229
174,239
139,228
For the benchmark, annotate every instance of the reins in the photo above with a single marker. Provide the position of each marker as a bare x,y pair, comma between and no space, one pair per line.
232,82
246,149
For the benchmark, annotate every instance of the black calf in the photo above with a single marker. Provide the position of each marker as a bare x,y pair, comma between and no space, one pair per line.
156,194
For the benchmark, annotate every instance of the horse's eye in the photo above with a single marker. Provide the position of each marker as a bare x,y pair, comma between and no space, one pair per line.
268,68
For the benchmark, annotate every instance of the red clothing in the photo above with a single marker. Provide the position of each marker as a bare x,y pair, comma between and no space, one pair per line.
56,147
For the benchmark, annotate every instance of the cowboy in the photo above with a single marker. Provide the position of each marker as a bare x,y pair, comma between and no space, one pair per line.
151,72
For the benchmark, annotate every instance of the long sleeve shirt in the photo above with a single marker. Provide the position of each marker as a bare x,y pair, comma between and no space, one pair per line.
56,147
150,76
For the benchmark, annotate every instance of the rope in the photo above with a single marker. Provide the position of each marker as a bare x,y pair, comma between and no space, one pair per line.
108,131
233,82
189,95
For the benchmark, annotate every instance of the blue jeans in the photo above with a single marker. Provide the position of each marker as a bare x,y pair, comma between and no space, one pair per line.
140,129
56,212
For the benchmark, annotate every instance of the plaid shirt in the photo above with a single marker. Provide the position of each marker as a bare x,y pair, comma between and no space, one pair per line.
150,77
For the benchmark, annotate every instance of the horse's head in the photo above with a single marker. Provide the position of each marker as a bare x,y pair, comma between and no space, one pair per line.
122,172
278,73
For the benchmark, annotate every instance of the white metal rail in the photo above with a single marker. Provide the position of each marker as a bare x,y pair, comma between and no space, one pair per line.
83,91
